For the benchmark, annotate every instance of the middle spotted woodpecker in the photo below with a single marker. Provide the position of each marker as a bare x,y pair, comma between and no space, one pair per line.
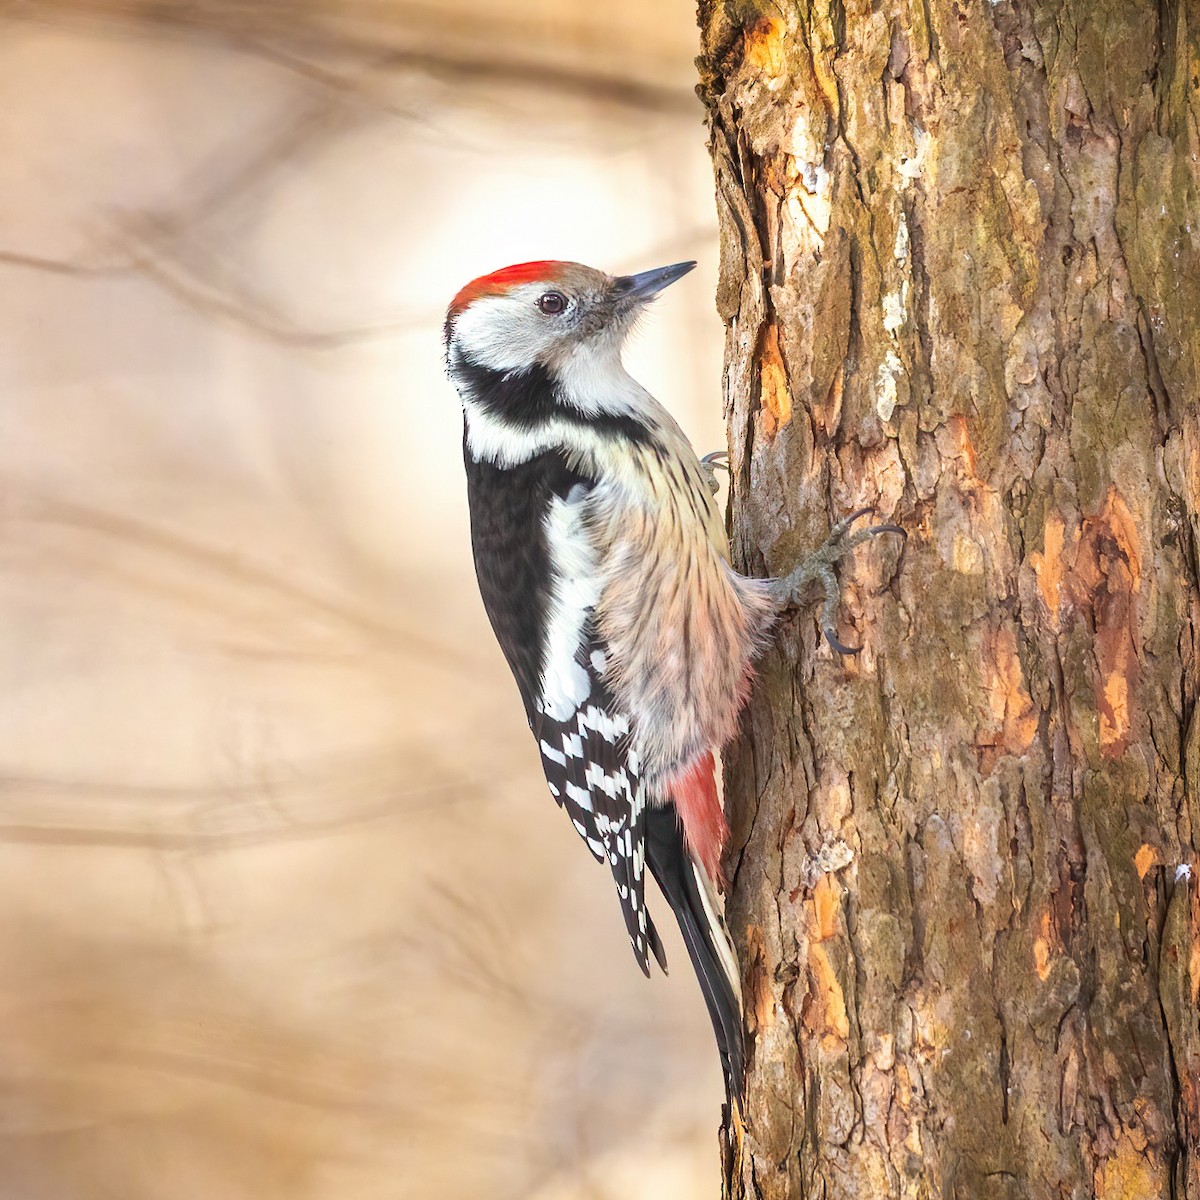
604,568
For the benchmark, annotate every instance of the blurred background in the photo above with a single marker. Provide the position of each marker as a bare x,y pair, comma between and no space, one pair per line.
285,909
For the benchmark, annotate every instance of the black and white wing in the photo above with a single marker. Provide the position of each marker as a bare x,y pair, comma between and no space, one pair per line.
582,734
593,775
538,576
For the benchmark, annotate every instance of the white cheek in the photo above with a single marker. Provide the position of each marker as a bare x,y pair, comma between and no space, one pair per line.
503,333
593,379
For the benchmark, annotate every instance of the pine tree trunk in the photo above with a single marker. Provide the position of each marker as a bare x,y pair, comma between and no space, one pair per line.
961,282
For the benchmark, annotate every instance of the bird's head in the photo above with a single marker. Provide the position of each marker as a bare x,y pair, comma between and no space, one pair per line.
548,315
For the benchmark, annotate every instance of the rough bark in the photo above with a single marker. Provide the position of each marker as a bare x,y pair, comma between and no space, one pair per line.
961,282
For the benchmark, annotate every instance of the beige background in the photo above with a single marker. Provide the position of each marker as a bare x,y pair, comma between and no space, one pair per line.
285,910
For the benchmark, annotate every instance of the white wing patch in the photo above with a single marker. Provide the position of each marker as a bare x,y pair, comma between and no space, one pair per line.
583,737
576,589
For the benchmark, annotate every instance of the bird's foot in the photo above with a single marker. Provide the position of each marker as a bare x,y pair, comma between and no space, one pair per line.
710,464
818,568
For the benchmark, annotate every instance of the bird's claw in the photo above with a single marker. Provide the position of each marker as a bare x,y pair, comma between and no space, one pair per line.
710,464
818,567
839,531
832,638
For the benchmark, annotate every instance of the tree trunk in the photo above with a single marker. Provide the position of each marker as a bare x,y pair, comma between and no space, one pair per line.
961,282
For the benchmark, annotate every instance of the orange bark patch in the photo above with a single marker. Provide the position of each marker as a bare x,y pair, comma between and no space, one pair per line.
1046,946
1129,1173
1114,713
1048,565
966,450
765,51
1124,530
1104,584
1097,573
826,905
1041,958
1041,950
1191,434
1194,956
1144,859
760,1004
774,397
1011,705
826,1015
825,1010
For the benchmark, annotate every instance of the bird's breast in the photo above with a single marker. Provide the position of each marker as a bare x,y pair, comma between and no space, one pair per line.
681,628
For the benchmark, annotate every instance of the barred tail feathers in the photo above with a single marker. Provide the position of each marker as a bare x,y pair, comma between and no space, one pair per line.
690,894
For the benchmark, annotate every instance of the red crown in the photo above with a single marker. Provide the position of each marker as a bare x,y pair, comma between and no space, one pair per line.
500,281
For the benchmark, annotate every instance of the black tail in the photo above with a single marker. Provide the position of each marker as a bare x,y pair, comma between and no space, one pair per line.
704,934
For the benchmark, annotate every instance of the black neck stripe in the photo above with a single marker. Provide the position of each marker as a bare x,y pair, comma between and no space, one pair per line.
529,399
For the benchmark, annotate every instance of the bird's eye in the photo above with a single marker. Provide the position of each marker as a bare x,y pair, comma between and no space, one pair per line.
552,303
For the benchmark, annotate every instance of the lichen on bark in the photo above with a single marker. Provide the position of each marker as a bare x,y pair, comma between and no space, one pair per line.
961,282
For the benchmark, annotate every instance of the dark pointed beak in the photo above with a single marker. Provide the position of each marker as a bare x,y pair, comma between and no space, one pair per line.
640,288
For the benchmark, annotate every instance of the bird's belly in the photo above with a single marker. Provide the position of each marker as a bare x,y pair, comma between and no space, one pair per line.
681,641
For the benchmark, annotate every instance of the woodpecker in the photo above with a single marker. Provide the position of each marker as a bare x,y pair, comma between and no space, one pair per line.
604,569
